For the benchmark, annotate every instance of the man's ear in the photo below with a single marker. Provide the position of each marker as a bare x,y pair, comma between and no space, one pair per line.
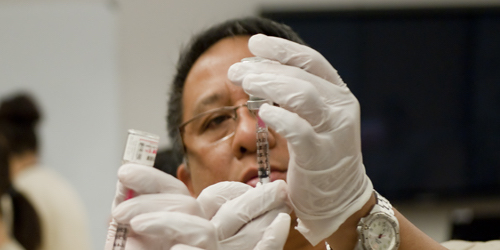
184,175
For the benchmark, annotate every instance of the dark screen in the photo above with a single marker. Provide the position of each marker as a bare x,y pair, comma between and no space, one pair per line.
428,82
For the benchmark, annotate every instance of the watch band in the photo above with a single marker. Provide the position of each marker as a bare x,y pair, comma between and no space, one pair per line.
383,204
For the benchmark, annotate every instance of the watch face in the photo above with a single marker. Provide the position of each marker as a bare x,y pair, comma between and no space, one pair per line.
380,233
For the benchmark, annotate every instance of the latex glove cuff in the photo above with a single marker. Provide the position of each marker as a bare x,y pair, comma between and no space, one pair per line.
317,227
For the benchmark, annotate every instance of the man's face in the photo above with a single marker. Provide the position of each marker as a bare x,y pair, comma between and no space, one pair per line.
207,87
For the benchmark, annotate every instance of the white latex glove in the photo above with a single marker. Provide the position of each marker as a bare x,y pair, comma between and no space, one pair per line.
163,213
154,191
254,219
273,238
326,176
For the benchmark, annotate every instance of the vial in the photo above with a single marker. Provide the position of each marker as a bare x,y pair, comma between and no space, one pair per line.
140,148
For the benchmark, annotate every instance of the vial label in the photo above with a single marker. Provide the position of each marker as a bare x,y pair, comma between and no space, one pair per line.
141,150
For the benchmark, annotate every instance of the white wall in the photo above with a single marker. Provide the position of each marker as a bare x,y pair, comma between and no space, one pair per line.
100,67
64,54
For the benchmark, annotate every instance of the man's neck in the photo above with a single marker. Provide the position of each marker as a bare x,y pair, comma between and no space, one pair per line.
21,162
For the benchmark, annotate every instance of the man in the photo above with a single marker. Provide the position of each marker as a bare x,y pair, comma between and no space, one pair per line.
314,143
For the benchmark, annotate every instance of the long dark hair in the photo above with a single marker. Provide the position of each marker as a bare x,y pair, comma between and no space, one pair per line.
26,227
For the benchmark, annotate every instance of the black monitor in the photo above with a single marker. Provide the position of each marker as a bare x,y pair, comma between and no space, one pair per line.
428,82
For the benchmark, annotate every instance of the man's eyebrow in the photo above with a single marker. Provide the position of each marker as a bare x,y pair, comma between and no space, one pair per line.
206,101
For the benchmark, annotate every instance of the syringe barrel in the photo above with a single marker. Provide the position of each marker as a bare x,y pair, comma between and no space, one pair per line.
263,154
264,168
253,104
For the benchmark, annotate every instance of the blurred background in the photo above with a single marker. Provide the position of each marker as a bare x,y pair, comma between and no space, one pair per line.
98,68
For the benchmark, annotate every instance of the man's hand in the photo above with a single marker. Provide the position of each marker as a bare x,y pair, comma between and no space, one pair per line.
226,215
326,176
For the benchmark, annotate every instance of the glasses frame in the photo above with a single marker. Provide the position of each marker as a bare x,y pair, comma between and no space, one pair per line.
181,127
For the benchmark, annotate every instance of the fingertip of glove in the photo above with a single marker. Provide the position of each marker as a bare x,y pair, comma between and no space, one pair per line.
280,188
284,217
131,171
255,42
283,194
233,74
140,223
127,169
271,116
280,183
117,214
256,38
136,222
265,109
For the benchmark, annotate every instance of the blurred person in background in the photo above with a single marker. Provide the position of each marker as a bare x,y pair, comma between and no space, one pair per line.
19,222
61,211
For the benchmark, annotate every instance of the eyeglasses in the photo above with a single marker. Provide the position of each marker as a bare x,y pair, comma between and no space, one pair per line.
212,126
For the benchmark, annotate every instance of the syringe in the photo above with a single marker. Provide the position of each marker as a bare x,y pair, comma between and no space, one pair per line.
264,167
253,105
141,148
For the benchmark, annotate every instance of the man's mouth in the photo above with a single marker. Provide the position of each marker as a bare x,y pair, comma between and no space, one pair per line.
275,175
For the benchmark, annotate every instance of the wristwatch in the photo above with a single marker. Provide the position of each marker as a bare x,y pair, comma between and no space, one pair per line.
379,230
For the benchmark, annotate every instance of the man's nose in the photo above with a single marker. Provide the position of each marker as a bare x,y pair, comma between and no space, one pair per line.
245,137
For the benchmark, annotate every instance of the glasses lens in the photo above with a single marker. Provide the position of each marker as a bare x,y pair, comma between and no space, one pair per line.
212,126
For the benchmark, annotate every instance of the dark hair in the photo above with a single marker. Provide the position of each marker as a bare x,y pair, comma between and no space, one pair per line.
26,226
197,46
164,162
19,116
